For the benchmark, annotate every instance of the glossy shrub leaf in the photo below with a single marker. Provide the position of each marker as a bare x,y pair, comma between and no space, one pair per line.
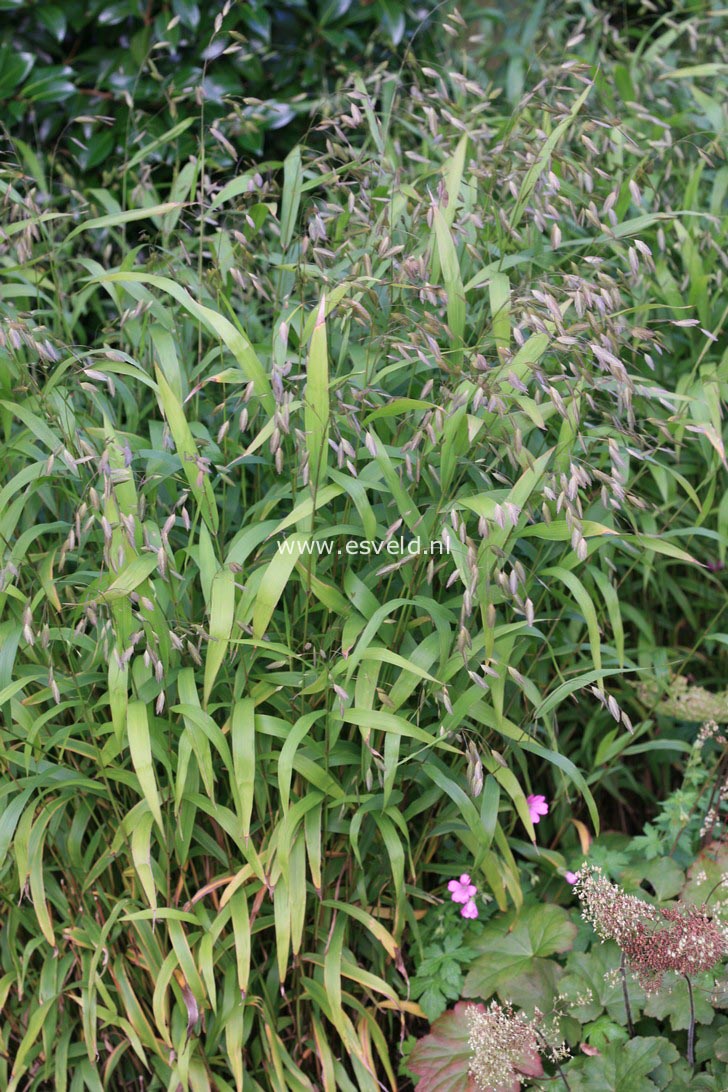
14,69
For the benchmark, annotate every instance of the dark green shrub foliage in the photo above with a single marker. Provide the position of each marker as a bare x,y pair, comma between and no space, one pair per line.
95,77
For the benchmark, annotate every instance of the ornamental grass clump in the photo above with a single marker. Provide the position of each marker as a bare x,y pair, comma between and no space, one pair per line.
237,755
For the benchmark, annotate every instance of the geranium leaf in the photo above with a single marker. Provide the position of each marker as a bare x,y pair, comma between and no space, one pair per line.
526,981
432,1002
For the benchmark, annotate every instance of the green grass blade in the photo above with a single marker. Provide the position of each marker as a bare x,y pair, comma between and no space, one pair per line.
140,748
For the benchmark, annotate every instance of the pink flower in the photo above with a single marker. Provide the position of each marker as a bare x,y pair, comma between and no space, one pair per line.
571,877
537,806
470,910
462,890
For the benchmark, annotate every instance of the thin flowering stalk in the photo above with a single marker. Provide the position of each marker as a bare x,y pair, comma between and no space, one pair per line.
691,1029
554,1058
625,994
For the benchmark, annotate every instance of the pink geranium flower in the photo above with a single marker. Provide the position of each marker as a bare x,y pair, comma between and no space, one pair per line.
462,890
537,806
470,910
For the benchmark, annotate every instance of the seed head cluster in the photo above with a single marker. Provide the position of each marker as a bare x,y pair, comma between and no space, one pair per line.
682,938
503,1042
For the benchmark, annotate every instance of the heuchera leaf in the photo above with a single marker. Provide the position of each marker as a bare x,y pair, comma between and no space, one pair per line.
442,1058
590,985
707,874
672,1001
514,960
621,1066
665,876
